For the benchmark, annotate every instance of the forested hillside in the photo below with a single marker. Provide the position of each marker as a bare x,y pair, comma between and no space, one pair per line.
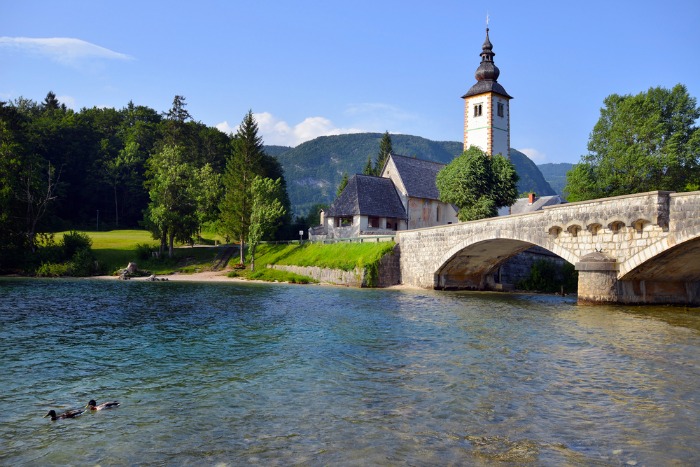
314,169
555,174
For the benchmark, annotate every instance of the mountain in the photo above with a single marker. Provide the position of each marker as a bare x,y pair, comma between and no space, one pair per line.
531,179
314,169
555,174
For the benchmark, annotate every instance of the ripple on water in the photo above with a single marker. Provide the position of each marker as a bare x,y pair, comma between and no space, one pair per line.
312,375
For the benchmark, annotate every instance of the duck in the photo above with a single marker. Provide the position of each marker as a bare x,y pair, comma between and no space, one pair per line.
67,414
92,405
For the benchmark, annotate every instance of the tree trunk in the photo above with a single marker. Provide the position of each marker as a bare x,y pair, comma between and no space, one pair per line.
171,241
116,207
242,255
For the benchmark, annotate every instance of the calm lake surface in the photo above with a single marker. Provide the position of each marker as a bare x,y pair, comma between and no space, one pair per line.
239,374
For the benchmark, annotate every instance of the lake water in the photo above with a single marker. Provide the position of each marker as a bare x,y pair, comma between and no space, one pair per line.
240,374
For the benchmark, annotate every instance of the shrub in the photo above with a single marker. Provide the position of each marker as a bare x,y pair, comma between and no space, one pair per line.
54,270
547,276
73,242
145,251
82,263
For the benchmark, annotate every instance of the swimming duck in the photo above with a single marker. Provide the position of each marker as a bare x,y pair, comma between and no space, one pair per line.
92,405
68,414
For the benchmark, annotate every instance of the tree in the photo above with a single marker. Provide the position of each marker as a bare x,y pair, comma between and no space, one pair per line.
369,169
385,150
171,183
266,211
176,130
478,184
645,142
242,166
343,183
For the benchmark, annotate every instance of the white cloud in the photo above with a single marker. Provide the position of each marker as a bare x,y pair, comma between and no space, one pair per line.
279,132
535,156
64,50
68,100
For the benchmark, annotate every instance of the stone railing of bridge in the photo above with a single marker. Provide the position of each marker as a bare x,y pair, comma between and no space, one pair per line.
607,239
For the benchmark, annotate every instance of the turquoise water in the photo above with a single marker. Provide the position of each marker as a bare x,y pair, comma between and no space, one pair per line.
240,374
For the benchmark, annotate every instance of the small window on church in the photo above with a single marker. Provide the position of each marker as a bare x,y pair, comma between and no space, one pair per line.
501,109
477,110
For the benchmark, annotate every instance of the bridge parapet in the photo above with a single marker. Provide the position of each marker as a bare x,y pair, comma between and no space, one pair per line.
619,244
619,226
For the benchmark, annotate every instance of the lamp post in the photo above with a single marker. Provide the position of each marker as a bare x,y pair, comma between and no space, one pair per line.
301,236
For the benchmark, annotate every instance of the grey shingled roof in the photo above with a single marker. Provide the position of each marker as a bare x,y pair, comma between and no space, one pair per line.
522,205
486,86
418,176
368,196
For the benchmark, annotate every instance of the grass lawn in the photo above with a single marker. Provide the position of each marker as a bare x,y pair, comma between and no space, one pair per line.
346,256
116,248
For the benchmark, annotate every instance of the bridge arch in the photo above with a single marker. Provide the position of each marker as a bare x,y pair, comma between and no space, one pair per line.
467,262
669,259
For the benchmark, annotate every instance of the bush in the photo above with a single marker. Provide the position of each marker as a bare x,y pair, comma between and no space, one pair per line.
82,263
73,242
145,251
547,276
54,270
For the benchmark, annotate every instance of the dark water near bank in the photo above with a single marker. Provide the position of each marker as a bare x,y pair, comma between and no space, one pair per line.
235,374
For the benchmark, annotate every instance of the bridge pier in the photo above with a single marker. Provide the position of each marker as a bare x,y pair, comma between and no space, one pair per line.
597,279
598,283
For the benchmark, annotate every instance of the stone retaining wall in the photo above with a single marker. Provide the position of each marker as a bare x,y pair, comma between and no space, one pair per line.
388,273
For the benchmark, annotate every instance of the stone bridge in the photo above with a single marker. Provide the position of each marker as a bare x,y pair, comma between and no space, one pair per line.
642,248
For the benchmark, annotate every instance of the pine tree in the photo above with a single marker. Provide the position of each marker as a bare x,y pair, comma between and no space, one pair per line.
343,183
242,166
369,170
384,150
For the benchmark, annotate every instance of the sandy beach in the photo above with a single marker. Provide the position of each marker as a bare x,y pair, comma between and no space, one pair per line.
206,276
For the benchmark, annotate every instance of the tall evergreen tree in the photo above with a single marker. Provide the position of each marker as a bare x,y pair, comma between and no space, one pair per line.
369,169
343,183
242,166
384,150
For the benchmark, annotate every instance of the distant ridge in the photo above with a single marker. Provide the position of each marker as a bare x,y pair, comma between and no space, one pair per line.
314,169
555,174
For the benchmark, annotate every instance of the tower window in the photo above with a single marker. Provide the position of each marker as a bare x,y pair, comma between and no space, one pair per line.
500,109
477,110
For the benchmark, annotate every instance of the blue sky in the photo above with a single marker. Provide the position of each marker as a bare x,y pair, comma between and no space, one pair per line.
312,68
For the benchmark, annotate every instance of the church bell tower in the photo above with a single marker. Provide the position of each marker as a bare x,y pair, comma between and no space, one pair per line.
486,108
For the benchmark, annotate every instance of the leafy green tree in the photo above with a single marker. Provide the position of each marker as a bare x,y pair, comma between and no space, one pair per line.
385,150
207,195
646,142
242,166
172,212
478,184
266,211
343,183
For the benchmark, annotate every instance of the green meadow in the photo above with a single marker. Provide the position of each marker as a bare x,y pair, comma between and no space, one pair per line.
114,250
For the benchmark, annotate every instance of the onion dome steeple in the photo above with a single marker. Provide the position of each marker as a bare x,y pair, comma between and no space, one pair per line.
487,69
487,73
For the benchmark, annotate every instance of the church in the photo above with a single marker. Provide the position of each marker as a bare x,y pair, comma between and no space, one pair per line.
405,195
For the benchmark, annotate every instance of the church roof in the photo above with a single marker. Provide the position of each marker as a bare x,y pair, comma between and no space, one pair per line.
487,73
482,87
418,176
368,196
